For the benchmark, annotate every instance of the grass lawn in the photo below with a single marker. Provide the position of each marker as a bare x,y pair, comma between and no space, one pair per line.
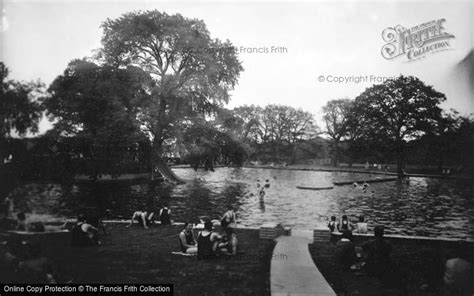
418,268
136,255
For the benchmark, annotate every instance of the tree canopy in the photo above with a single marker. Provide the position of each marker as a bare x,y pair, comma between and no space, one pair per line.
98,106
20,110
192,73
337,117
398,111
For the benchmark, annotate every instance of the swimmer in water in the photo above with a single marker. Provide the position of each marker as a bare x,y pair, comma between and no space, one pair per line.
267,183
365,186
355,185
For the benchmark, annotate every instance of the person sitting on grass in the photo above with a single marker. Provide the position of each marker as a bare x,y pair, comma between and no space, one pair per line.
377,253
165,216
143,218
228,246
84,234
361,226
186,239
345,250
207,242
344,224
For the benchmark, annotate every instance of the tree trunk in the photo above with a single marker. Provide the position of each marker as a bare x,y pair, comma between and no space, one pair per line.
336,154
156,151
400,163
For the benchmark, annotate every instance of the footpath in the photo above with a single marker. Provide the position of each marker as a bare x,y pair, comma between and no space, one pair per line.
293,271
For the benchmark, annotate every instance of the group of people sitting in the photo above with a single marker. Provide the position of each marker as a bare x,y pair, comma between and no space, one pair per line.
374,257
209,243
345,224
376,253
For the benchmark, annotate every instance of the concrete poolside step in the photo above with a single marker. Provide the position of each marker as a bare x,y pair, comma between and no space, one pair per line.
294,273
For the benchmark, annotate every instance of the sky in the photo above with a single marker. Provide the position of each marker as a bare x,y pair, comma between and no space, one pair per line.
300,54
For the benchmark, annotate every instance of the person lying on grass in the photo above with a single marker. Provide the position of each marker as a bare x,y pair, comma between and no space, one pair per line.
186,239
143,218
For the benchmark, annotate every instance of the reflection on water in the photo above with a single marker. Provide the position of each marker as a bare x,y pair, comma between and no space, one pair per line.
431,207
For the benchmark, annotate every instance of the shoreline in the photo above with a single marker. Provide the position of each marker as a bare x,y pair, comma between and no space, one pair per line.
316,232
343,169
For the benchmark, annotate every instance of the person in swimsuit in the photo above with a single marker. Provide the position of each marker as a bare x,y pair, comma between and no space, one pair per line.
365,186
143,218
344,224
228,218
332,224
207,242
261,193
229,245
186,239
361,226
267,183
84,234
165,217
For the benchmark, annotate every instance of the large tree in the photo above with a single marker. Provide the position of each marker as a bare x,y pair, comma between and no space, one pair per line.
20,111
337,119
20,114
398,111
192,74
97,106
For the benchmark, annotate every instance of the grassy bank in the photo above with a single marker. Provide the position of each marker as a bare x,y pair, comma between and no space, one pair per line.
417,270
136,255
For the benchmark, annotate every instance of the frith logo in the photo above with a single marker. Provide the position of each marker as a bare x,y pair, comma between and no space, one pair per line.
416,42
